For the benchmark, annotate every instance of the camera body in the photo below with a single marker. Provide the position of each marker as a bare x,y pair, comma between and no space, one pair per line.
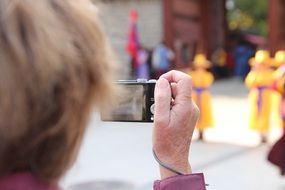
135,104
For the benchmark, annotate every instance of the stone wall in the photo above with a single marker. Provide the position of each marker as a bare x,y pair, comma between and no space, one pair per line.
115,17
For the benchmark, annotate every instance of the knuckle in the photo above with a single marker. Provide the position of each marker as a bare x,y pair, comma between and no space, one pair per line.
193,110
189,81
188,78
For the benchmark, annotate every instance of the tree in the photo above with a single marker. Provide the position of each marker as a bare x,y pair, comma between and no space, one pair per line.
249,15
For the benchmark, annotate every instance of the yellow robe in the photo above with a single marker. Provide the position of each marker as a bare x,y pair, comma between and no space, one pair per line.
260,83
279,81
202,80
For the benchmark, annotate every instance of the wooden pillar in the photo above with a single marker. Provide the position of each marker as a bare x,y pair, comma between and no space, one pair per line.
276,25
273,25
214,26
204,19
168,35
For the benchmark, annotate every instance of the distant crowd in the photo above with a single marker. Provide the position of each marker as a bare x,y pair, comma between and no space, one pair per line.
262,74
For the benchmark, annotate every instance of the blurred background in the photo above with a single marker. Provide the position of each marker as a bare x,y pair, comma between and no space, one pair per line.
228,33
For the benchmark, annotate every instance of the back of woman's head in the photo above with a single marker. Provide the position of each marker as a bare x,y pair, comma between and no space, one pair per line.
53,64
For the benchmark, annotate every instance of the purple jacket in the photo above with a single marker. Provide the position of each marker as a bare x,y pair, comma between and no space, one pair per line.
26,181
185,182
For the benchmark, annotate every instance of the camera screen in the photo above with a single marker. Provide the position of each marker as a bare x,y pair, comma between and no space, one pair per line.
130,105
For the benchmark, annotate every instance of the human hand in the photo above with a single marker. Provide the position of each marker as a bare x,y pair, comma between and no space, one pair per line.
174,121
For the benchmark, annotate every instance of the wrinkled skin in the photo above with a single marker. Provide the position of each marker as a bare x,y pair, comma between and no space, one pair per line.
174,121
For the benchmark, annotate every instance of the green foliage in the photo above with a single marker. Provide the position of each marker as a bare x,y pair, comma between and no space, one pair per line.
249,15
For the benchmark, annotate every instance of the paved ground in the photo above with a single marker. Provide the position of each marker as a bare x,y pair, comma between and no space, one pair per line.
117,156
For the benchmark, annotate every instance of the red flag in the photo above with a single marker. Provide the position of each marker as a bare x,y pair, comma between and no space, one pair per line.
133,42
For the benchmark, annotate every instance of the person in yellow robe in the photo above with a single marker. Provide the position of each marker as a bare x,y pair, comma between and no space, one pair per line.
279,82
259,81
202,80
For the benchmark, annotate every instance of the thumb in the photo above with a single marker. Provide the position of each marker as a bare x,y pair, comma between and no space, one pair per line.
162,102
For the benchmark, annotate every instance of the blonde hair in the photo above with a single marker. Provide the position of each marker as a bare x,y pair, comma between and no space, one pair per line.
54,62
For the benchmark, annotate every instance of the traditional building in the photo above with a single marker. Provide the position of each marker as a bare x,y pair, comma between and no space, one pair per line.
194,26
187,26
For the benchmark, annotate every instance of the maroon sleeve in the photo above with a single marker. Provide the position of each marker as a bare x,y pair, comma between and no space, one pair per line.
184,182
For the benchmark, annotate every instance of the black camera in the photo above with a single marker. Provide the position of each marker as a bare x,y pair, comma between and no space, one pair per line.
135,103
